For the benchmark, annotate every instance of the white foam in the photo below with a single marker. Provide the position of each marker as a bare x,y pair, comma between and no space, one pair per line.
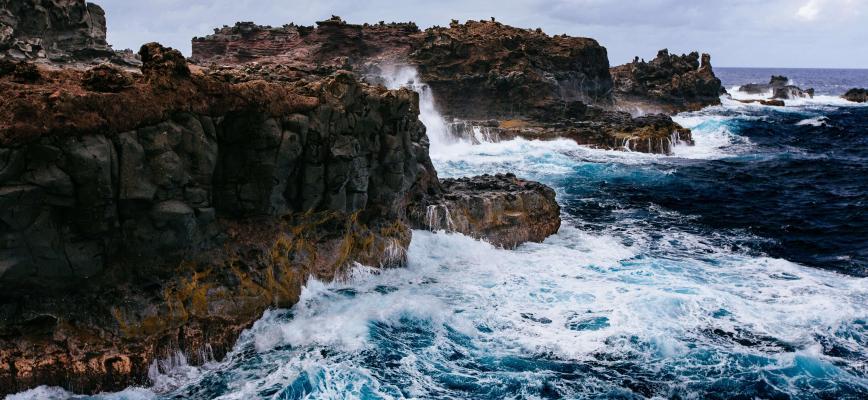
816,121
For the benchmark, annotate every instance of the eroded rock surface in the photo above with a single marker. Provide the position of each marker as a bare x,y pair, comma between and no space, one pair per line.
668,83
60,30
502,209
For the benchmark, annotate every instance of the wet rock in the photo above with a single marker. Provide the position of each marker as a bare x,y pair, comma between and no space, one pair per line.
501,209
856,95
772,102
199,210
779,88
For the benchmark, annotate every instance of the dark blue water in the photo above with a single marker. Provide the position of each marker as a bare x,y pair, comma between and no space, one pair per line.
833,82
795,183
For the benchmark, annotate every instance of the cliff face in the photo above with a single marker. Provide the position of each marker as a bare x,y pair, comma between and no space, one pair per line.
146,214
61,30
479,71
484,69
668,83
168,216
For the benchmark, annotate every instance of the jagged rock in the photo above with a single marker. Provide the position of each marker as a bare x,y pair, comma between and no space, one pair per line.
160,63
479,70
668,82
60,30
106,78
779,88
502,209
483,70
200,204
856,95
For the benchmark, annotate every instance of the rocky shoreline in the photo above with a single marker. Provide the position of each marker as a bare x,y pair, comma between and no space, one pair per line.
150,205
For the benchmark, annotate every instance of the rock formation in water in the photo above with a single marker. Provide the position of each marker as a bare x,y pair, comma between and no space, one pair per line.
856,95
478,71
503,209
668,82
779,88
146,212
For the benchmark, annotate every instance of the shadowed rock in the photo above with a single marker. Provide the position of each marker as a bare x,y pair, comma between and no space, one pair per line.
779,88
502,209
856,95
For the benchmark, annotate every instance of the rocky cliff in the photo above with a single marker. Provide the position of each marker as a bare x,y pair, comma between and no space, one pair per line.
156,211
479,71
169,215
668,83
60,30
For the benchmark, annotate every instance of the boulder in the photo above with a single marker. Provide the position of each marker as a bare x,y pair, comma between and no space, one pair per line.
856,95
501,209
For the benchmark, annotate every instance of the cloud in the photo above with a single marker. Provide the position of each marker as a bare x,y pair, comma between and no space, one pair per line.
809,11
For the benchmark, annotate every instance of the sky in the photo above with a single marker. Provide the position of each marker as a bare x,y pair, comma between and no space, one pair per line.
737,33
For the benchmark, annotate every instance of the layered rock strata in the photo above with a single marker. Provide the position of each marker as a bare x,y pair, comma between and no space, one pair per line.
668,83
502,209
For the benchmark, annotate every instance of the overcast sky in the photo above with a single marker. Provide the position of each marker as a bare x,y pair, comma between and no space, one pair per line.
749,33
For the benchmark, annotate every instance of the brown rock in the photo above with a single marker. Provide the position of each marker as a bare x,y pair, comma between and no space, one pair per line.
106,78
502,209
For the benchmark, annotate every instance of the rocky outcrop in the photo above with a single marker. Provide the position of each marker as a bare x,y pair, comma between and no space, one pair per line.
557,86
485,69
613,130
150,212
168,213
502,209
59,30
668,83
856,95
333,43
779,88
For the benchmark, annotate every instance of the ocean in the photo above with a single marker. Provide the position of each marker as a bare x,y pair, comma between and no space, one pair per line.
733,269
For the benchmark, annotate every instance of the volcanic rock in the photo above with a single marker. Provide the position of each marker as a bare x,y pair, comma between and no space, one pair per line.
779,88
502,209
667,83
60,30
856,95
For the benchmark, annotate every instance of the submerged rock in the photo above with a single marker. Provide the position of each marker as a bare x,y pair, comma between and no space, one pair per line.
779,88
502,209
856,95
